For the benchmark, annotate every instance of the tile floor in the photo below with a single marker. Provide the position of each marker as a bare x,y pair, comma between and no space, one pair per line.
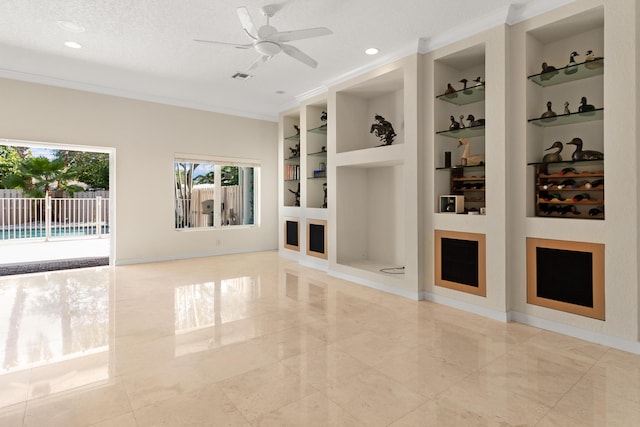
256,340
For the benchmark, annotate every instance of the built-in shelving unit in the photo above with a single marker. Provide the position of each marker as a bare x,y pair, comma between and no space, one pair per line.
456,174
291,161
316,156
566,84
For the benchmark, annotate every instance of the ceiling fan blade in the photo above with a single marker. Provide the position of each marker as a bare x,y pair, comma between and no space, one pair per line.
236,45
288,36
247,22
296,53
261,60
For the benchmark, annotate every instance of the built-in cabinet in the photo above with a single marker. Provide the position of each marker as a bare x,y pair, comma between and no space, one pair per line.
381,203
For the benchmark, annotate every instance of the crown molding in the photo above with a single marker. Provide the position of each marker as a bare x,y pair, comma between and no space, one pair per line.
139,96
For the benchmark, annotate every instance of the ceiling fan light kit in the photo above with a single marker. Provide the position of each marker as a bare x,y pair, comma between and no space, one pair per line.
268,41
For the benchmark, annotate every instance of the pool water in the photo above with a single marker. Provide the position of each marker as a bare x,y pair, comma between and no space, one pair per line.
38,233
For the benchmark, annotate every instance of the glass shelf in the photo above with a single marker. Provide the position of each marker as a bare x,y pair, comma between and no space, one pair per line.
460,167
569,73
567,119
464,96
317,177
295,160
564,162
468,132
292,138
318,154
322,130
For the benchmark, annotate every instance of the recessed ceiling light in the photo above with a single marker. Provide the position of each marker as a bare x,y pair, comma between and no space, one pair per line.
71,26
280,92
371,51
73,45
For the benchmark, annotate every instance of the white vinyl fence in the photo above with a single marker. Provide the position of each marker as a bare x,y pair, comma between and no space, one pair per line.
53,218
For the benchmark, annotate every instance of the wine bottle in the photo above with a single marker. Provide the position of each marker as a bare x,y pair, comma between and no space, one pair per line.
580,183
551,209
549,185
594,184
568,170
596,211
552,196
583,196
569,208
565,183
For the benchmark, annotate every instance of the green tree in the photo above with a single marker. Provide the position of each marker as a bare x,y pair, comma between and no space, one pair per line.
10,160
37,176
91,168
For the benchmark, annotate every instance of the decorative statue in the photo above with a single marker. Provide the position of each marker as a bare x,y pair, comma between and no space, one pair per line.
450,90
473,122
297,128
572,63
297,194
553,157
479,81
579,154
454,125
324,188
548,71
589,60
383,130
295,151
566,108
323,116
584,107
467,159
462,126
549,113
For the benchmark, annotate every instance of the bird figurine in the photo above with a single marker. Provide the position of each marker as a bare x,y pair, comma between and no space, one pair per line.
566,108
549,113
479,81
553,157
473,122
548,71
591,61
462,126
571,66
454,125
580,154
584,107
297,128
464,82
450,90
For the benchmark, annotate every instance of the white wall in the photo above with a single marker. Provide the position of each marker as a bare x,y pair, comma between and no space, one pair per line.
145,137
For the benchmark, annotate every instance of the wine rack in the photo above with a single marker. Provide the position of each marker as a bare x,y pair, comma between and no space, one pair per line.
469,182
570,189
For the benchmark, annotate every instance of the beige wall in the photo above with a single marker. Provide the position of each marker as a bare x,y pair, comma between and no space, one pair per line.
144,137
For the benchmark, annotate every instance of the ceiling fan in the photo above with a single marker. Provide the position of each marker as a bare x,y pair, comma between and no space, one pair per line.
268,41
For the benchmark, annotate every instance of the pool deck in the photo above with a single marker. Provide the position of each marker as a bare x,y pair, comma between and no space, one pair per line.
15,252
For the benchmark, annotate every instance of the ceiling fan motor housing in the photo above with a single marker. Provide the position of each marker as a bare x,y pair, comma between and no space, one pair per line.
267,48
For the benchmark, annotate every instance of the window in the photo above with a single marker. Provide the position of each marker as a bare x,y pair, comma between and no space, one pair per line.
199,204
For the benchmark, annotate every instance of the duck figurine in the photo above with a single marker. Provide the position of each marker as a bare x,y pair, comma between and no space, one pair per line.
566,108
549,113
450,90
591,61
548,71
570,69
553,157
462,126
479,81
454,125
584,107
464,82
580,154
473,122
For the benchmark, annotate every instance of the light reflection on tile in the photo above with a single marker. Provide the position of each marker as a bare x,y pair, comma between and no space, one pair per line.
258,340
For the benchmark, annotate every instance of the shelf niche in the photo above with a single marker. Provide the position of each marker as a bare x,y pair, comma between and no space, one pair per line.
370,217
359,104
316,156
553,44
291,161
467,64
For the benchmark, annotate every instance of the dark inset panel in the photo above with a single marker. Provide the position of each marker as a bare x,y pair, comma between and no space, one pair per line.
291,234
564,275
460,261
316,238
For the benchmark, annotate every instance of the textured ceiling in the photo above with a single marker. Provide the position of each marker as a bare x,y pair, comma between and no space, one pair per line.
144,48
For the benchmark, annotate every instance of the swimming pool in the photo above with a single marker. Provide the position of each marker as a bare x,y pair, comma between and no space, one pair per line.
56,231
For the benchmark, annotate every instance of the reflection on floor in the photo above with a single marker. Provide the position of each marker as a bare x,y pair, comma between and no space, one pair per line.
255,340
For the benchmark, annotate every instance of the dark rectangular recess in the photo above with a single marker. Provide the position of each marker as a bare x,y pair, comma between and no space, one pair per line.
460,261
564,275
316,238
292,233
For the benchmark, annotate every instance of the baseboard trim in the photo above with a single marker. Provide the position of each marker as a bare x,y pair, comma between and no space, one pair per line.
500,316
133,261
376,285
